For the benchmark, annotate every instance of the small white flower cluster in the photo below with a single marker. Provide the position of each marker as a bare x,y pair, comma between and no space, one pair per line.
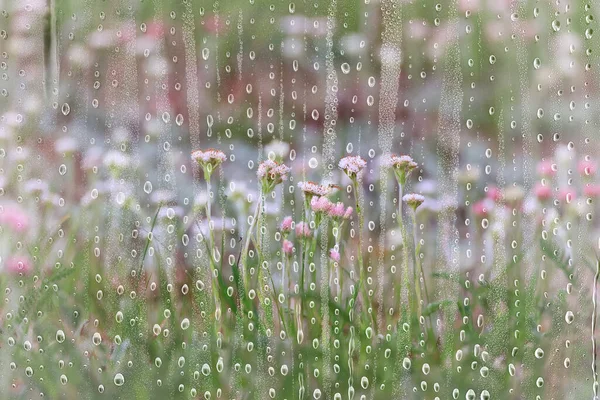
413,199
314,189
271,174
401,162
271,169
352,165
210,156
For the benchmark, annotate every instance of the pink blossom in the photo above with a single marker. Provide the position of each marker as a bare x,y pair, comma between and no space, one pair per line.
320,204
337,210
287,247
286,224
302,230
18,264
15,218
352,165
587,168
545,168
335,255
348,212
542,192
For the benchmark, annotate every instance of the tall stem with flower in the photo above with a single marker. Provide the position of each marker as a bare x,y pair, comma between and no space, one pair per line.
353,167
208,161
402,167
270,174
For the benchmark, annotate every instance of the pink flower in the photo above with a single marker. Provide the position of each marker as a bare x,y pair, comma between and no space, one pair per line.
335,255
302,230
287,247
542,192
587,168
348,212
545,168
337,210
18,265
352,165
15,218
320,204
591,190
286,224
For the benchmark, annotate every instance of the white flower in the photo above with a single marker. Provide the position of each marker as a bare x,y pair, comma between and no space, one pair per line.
352,165
277,148
314,189
405,162
210,156
271,174
414,200
208,160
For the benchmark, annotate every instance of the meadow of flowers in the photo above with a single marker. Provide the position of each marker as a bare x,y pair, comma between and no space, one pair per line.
320,200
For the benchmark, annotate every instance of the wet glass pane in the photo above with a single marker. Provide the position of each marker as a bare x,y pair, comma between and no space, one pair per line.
325,199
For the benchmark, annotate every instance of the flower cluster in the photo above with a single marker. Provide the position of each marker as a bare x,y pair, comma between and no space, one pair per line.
413,199
352,165
402,165
208,160
271,174
314,189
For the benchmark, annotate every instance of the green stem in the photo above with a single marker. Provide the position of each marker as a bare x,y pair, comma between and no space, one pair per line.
211,245
247,245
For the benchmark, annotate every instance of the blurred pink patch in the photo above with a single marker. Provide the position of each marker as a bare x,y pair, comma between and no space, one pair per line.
542,192
287,247
567,195
15,218
482,208
494,193
591,190
545,168
18,265
587,168
335,255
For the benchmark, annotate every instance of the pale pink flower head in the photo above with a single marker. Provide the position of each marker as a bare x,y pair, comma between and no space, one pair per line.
271,174
13,217
19,265
587,167
209,159
302,230
334,255
337,210
402,166
545,168
542,192
414,200
320,204
287,247
352,165
348,212
286,224
314,189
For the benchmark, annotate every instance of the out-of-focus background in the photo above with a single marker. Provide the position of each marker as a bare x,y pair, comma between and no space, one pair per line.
101,103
